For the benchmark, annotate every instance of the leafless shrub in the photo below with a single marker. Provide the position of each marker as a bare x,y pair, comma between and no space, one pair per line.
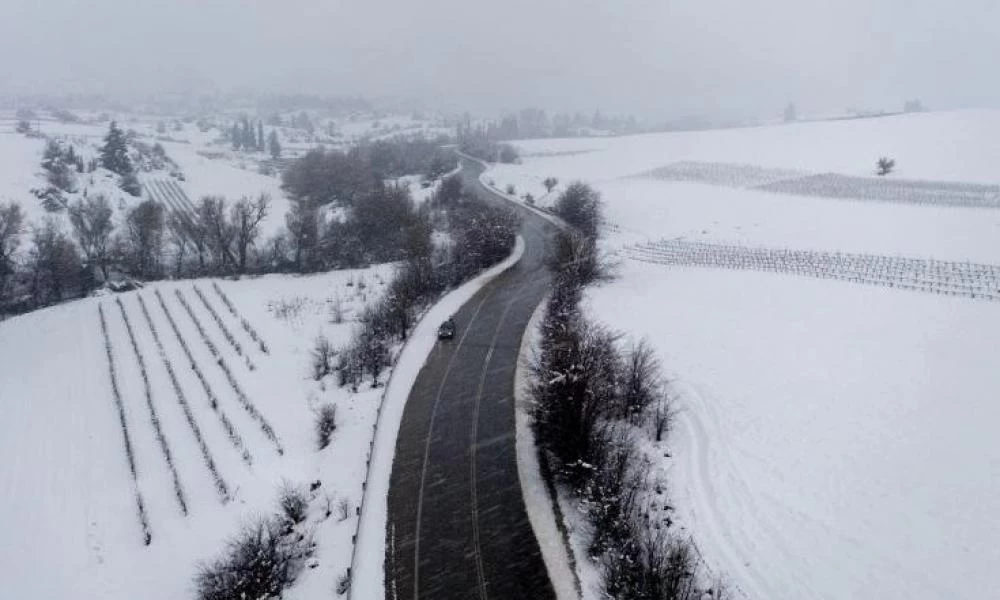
293,502
322,354
343,583
343,509
326,424
642,381
337,310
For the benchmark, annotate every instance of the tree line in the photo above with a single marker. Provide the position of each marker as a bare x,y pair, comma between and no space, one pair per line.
536,123
345,212
592,398
482,142
245,136
485,234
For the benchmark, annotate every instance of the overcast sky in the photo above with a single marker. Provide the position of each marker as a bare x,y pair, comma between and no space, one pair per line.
655,58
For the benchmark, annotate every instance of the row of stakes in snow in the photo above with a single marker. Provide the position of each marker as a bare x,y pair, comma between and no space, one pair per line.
247,327
972,280
222,326
221,361
213,400
206,455
153,415
147,534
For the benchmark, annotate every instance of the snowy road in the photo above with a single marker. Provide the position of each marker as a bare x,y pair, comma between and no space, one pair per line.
457,525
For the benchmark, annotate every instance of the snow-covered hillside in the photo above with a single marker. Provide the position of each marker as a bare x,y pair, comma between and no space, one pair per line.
208,164
833,439
68,502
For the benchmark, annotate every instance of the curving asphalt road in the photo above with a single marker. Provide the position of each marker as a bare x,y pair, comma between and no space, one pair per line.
457,526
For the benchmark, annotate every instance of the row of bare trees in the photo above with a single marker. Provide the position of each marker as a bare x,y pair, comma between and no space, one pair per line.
149,243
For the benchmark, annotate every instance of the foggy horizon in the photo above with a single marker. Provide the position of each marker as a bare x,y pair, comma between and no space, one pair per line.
656,60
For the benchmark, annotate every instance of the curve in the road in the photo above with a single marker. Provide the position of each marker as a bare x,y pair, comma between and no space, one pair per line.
457,524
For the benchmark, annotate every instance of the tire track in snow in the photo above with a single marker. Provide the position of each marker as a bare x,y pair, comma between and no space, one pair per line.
730,550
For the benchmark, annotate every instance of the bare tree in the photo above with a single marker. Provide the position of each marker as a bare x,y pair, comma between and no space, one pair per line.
323,354
219,231
245,218
54,264
885,165
663,415
642,381
197,233
178,231
302,221
144,238
92,226
11,228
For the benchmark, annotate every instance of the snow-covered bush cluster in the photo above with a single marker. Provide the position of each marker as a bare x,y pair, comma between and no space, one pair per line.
263,559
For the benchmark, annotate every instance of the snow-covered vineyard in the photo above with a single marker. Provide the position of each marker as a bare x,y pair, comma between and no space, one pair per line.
167,418
832,185
155,361
967,279
169,194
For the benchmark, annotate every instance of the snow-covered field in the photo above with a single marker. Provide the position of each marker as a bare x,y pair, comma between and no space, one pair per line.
67,498
833,440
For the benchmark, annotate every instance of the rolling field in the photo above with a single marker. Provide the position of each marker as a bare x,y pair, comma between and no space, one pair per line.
827,336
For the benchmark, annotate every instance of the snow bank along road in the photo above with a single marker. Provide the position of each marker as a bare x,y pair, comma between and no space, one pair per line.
457,526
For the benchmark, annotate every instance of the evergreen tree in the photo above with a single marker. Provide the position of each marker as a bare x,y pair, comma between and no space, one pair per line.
260,136
248,142
235,136
274,146
114,154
